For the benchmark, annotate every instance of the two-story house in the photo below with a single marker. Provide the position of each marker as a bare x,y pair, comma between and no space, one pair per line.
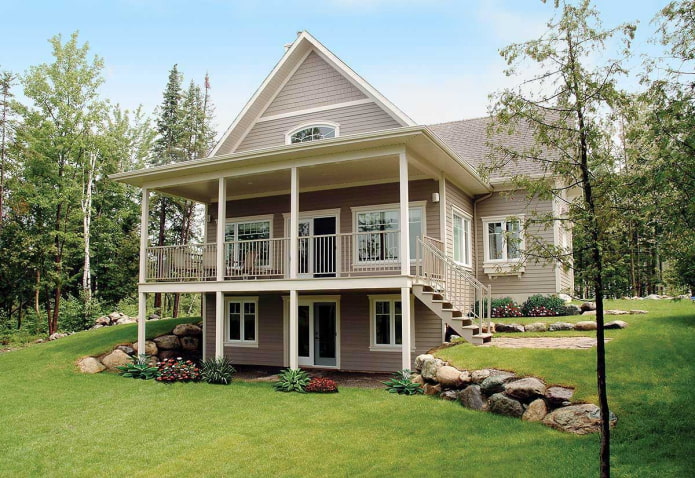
340,233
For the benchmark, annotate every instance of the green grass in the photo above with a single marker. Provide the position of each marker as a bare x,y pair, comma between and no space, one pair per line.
58,422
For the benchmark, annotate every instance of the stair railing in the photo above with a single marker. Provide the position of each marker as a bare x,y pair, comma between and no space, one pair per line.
456,284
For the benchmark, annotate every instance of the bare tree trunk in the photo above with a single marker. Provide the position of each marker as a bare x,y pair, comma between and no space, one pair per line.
86,229
37,292
160,242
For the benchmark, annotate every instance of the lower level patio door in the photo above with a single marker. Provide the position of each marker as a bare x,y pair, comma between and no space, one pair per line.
317,334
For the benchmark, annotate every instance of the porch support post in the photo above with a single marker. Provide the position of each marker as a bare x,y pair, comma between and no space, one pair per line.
219,324
294,313
221,220
144,232
294,226
404,220
406,327
142,317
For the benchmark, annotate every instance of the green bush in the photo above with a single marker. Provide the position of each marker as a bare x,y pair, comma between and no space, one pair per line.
217,370
543,306
402,383
292,380
140,368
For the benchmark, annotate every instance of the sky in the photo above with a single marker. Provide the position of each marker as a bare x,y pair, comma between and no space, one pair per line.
437,60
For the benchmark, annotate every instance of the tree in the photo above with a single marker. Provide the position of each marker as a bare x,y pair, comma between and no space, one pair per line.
569,107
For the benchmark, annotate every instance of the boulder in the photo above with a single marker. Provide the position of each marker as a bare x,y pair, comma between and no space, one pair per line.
450,395
150,348
495,383
525,389
585,325
153,317
90,365
465,377
536,327
420,359
565,297
589,313
430,389
509,328
56,336
449,377
588,306
167,342
125,320
616,312
638,312
471,397
127,349
430,367
114,316
167,354
560,326
653,297
579,419
190,344
536,411
103,321
572,309
115,359
501,404
559,396
417,378
616,324
477,376
187,329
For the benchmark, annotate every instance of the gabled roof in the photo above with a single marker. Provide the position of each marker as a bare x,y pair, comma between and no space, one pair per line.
291,60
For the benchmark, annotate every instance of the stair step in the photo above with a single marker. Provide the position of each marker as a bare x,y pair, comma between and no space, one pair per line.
454,312
479,339
462,321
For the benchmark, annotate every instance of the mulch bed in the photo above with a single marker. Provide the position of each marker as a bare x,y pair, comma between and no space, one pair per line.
343,379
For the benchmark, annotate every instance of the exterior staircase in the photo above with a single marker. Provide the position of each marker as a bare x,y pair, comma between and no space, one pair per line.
451,292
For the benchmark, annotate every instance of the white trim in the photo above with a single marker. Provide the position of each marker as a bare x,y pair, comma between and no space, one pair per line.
504,266
316,109
144,232
312,124
310,215
204,315
456,211
310,300
373,346
241,342
442,212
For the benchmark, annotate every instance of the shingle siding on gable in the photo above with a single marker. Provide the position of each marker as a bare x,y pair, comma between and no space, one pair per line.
352,120
315,83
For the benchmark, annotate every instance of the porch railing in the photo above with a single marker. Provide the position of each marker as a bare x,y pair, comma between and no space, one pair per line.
182,263
257,259
455,283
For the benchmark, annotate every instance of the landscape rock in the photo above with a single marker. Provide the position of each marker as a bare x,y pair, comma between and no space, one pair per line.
586,306
153,317
430,367
653,297
638,312
471,397
477,376
559,396
449,377
560,326
168,354
187,329
589,313
90,365
417,378
579,419
536,327
450,395
565,297
430,389
150,348
56,336
616,324
420,359
616,312
573,309
127,349
509,328
190,344
125,320
114,316
495,383
103,321
167,342
115,359
536,411
501,404
585,325
525,389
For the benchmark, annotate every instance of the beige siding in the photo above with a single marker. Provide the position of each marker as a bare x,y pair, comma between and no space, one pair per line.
315,83
456,199
538,278
354,334
352,120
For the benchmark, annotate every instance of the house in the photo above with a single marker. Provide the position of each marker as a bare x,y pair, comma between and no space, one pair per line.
340,233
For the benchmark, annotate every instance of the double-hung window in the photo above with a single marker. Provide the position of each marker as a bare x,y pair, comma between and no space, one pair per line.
241,321
248,243
462,238
377,233
386,323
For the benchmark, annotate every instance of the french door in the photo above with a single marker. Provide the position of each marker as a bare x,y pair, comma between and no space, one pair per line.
317,247
317,334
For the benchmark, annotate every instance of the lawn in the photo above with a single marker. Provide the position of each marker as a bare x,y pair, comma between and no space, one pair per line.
58,422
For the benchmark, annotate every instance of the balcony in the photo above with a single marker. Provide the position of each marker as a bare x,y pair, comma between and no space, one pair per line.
362,254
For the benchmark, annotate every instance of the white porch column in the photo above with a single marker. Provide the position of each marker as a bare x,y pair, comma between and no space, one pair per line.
294,322
404,220
219,324
144,232
142,317
294,226
406,327
221,220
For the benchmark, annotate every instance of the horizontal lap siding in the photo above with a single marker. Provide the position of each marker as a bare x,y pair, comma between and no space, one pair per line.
538,278
352,120
456,198
315,83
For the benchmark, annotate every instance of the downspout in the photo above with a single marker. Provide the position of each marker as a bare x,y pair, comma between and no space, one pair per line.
475,226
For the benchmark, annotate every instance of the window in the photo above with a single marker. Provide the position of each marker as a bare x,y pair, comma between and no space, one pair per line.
246,241
386,323
378,238
241,321
312,132
503,240
462,239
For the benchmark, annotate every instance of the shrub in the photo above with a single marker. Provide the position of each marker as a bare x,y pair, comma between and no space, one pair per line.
177,370
321,385
543,306
402,383
217,370
292,380
505,307
140,368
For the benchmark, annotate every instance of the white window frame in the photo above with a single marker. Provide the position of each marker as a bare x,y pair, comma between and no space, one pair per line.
391,347
247,220
467,248
313,124
241,342
383,208
505,265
